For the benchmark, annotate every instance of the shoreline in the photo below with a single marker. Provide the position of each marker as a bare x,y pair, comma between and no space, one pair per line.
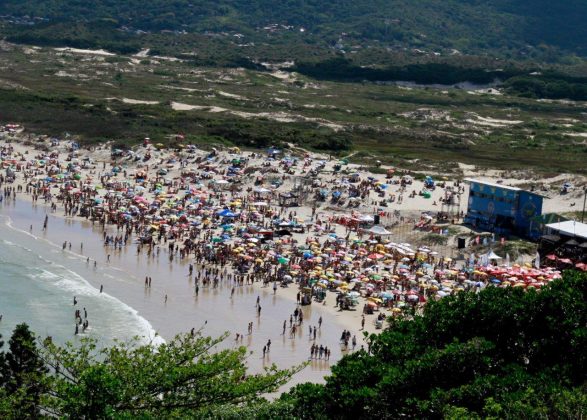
333,319
171,306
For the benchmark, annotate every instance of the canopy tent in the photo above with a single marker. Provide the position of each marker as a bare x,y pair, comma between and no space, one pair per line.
379,230
493,256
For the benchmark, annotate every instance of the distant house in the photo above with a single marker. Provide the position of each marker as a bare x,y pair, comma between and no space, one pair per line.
503,209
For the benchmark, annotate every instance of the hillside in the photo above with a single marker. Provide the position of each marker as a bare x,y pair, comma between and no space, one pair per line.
509,28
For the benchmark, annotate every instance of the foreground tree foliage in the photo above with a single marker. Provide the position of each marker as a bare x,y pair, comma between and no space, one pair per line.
502,353
22,376
183,378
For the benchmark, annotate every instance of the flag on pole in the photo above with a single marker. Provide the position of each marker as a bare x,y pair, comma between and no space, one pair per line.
507,259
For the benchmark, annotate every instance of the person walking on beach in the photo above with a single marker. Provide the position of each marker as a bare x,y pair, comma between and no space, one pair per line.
264,351
259,310
319,322
268,345
101,288
45,222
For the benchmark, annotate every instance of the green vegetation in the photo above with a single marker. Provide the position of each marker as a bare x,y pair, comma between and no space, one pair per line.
502,353
434,239
508,27
516,80
183,378
54,92
548,86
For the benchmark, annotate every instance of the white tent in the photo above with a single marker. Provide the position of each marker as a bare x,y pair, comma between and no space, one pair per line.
493,256
379,230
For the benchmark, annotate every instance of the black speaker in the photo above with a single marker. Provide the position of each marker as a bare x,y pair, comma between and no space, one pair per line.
377,219
461,243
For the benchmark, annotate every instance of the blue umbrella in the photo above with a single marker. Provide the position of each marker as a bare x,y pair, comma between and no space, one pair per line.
226,213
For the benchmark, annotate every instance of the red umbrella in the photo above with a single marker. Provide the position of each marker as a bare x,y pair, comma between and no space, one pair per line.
551,257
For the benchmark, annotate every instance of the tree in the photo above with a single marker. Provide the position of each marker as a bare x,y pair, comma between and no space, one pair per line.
182,378
501,353
23,374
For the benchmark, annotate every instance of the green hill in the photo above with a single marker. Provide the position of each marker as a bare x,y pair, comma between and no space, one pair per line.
498,27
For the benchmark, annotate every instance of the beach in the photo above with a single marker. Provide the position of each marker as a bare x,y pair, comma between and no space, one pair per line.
188,197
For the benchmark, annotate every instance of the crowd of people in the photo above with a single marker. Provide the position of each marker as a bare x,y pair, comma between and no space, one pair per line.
249,218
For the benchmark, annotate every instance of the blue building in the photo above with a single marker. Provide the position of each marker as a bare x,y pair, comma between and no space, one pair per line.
502,209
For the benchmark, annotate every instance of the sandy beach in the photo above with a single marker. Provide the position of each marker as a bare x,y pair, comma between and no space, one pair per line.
46,173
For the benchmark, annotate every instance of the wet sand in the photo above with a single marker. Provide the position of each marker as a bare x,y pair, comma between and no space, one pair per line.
124,276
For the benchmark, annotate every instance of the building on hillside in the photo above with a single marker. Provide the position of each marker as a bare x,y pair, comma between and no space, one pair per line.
503,210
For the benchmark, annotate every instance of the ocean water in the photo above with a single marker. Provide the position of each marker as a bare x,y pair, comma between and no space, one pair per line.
38,283
38,280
